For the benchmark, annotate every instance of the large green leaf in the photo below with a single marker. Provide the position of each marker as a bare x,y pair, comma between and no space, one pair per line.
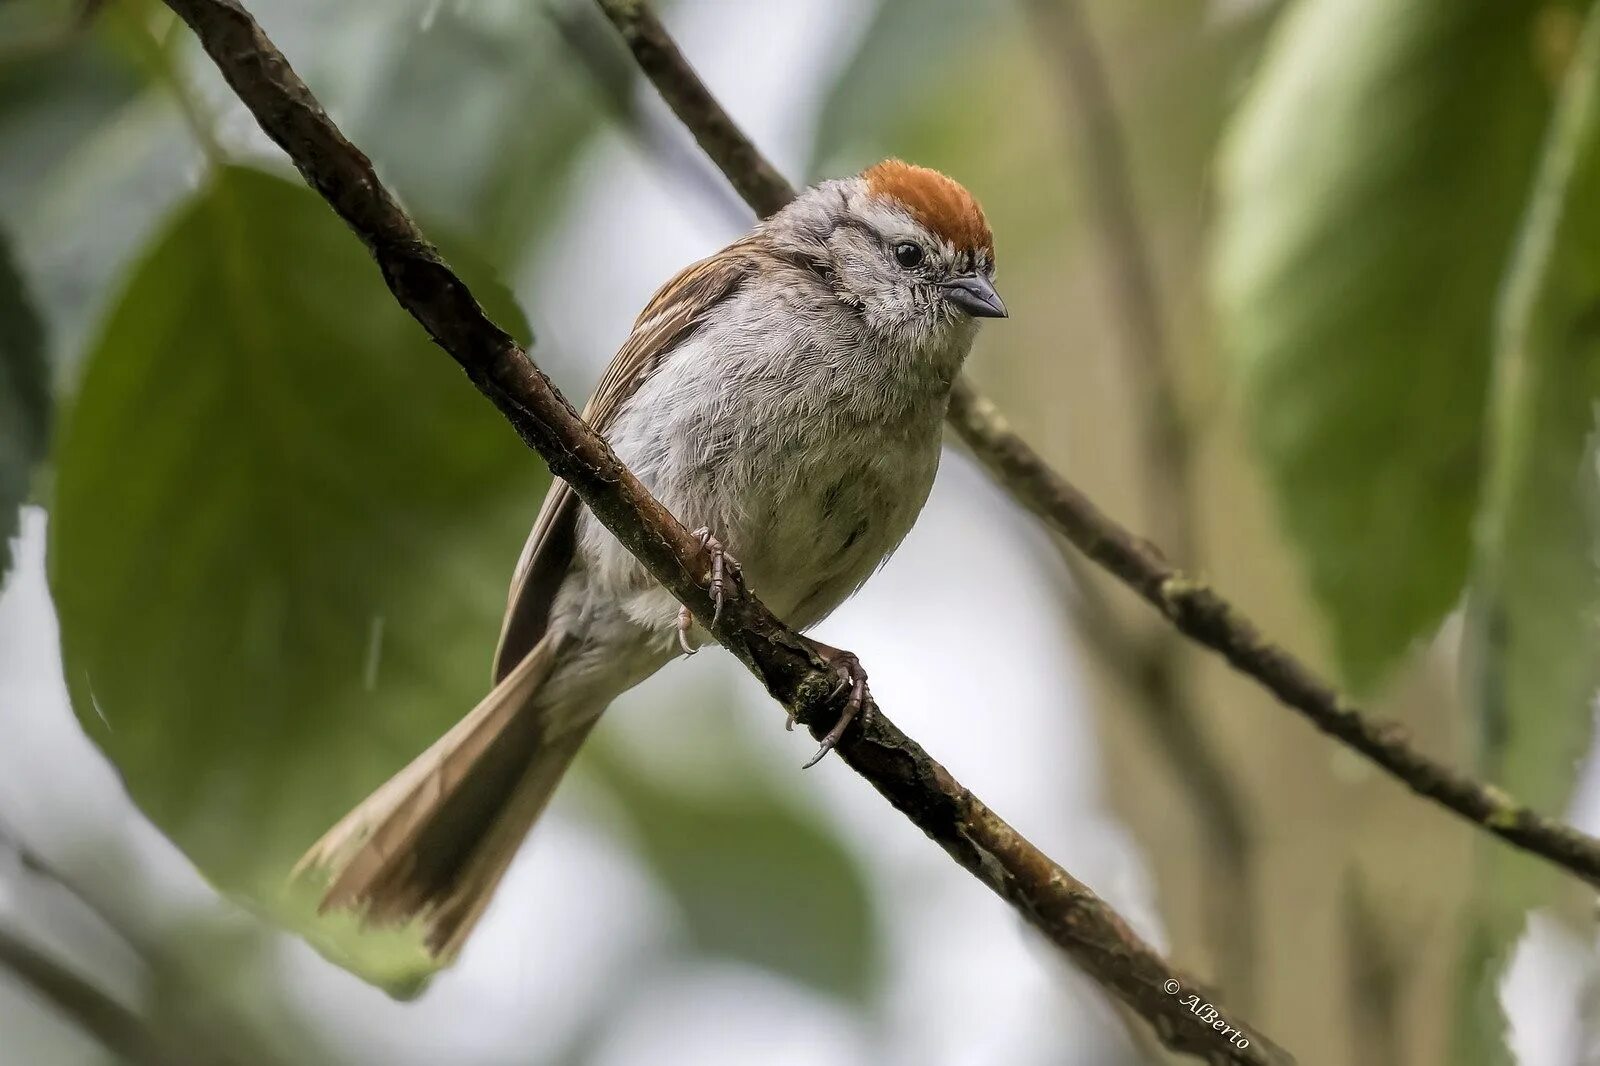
1536,595
1369,195
24,397
281,533
1535,603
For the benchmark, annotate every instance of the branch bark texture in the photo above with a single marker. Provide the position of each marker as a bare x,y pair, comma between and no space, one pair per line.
1051,900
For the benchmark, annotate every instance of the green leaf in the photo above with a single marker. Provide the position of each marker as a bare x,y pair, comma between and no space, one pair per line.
1536,595
1369,193
756,876
1534,610
282,529
24,398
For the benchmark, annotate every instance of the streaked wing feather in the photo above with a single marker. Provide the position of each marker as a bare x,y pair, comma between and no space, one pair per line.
671,316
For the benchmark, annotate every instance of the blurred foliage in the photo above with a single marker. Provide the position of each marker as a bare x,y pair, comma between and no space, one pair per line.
56,85
1536,600
24,397
85,126
493,161
1361,259
881,101
295,594
1370,190
756,876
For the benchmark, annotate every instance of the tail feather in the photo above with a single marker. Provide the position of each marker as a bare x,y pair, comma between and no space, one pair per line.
434,841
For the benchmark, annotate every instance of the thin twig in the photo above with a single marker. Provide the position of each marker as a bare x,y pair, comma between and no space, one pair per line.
1205,617
1050,899
657,54
1161,686
1190,605
45,872
1145,665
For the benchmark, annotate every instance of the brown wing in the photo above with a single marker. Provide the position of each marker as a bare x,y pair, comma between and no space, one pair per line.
670,317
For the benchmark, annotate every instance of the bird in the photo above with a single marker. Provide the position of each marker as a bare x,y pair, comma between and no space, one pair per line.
784,397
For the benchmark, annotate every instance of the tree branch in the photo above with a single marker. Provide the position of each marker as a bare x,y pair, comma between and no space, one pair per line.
755,179
1049,898
1205,617
1189,604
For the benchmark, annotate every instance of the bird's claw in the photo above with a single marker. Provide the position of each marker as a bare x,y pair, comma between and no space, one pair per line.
852,678
685,623
725,577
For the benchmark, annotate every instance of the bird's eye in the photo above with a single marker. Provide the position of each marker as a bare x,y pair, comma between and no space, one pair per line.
908,254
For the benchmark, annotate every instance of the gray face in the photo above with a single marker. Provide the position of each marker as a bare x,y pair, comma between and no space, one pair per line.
907,278
903,280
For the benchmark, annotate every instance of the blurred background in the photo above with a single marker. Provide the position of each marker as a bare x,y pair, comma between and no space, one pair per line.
1304,291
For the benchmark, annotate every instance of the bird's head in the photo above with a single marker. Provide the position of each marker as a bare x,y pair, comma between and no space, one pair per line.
906,246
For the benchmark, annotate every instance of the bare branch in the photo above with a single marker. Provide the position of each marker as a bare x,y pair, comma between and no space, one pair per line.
1050,899
1207,618
757,180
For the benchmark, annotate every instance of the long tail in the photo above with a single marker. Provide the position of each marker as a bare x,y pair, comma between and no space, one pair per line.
433,842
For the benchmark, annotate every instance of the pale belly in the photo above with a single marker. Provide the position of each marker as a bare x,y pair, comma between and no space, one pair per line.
809,537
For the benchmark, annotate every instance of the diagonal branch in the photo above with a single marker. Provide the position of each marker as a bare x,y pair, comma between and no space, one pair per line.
1189,604
657,54
1051,900
1205,617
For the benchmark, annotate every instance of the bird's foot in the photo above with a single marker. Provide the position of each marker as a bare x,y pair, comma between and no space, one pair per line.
725,577
852,679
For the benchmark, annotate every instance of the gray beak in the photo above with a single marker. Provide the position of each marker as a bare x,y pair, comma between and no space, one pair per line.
975,295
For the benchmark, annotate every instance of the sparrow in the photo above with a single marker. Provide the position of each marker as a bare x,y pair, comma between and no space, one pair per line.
785,397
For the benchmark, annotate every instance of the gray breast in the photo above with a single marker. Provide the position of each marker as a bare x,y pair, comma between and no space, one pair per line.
810,465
